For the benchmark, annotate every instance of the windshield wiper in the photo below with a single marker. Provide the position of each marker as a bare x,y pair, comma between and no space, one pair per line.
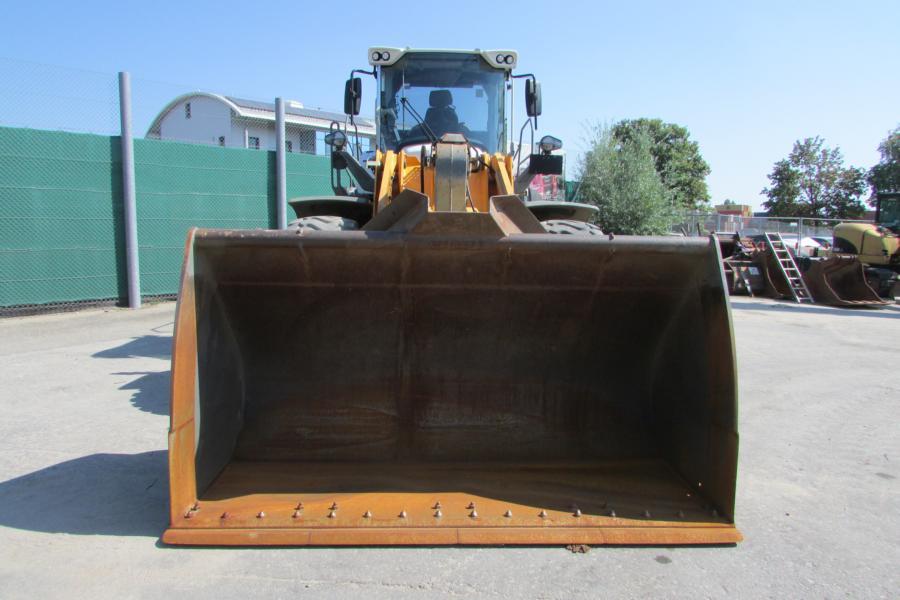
428,131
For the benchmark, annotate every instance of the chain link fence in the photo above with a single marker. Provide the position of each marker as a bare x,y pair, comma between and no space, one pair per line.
795,231
60,187
198,162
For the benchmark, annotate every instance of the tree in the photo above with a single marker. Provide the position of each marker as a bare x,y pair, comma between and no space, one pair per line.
621,179
813,182
676,157
885,176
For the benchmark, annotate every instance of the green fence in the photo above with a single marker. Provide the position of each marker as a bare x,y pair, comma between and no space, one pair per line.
180,186
61,224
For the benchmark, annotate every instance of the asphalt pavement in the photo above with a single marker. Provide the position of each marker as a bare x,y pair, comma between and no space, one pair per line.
83,483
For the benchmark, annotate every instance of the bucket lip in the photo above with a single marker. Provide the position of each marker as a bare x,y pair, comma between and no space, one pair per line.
267,237
727,534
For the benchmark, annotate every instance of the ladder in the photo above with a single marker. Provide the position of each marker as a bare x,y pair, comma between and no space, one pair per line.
788,268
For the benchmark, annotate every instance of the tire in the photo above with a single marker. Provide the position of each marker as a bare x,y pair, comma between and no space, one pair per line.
323,223
568,227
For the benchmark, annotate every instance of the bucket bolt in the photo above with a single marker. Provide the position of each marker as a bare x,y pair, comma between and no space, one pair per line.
331,514
577,512
402,514
296,514
612,513
367,515
224,516
438,514
508,513
543,514
474,514
260,515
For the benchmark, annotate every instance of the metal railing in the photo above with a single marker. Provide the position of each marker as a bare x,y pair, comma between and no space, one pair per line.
792,229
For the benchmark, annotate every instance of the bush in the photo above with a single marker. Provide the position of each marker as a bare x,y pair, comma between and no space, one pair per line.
620,178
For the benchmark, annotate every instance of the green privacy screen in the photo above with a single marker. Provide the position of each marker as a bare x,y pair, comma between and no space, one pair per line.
61,233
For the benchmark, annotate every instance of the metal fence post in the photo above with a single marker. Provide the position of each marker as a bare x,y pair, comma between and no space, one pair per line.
280,166
128,193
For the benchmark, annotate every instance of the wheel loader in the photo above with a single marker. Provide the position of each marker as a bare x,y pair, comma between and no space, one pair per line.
426,359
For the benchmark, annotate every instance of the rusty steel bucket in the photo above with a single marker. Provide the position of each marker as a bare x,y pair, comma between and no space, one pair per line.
839,281
447,378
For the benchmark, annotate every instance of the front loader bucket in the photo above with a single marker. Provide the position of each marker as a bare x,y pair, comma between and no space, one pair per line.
455,381
839,281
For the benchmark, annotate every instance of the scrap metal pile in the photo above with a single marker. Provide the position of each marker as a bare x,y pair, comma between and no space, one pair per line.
760,264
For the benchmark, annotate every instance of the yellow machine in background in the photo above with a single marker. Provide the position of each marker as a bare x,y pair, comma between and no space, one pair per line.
876,245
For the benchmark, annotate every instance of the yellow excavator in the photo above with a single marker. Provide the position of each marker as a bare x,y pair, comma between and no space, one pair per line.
426,359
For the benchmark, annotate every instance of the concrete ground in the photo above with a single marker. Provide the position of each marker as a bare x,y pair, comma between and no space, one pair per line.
83,486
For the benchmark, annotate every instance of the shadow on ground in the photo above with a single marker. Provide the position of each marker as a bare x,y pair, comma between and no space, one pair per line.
151,391
886,312
100,494
147,346
151,388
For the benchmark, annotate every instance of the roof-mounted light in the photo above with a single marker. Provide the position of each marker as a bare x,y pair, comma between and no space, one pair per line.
384,56
501,59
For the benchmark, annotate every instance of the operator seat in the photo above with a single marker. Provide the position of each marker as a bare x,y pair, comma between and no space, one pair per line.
441,116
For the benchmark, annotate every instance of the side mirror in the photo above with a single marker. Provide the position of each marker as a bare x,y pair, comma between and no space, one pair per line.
532,97
353,96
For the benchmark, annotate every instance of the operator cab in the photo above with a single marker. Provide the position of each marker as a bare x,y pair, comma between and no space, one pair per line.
424,95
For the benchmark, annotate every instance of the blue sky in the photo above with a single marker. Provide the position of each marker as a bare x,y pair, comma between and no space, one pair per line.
746,79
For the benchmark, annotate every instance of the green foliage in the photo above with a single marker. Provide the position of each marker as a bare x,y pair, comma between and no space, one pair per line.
813,182
885,176
621,179
676,157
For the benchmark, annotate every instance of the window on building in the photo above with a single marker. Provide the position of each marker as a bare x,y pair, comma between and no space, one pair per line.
289,145
307,141
221,140
253,142
187,110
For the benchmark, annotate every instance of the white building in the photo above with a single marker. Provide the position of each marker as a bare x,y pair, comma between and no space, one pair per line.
205,118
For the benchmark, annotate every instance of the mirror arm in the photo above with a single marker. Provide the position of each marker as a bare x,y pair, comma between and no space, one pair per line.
519,155
352,121
361,72
532,78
